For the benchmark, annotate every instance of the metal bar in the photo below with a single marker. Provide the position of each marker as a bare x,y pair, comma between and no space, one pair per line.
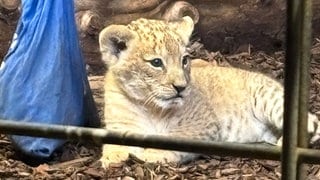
306,21
310,156
100,136
304,72
296,87
291,92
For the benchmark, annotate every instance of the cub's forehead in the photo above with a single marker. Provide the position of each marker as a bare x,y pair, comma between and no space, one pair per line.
146,26
157,35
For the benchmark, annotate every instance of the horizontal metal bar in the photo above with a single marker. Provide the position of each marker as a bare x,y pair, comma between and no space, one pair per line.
103,136
99,136
311,156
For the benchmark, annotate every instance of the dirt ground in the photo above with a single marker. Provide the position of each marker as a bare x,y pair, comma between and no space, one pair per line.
78,160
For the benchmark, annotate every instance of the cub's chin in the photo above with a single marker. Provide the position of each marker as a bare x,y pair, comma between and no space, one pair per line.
170,103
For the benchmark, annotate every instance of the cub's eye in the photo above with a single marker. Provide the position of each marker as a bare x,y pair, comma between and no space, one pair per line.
157,62
185,60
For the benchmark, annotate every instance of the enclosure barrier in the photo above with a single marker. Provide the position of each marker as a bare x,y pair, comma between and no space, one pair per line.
294,151
296,90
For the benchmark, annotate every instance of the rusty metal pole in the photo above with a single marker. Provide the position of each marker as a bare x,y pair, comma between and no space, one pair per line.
296,87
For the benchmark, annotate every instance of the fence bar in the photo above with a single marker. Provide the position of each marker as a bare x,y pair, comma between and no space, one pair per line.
311,156
304,73
306,20
99,136
291,92
294,101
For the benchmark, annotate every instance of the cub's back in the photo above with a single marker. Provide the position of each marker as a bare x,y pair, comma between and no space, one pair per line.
233,88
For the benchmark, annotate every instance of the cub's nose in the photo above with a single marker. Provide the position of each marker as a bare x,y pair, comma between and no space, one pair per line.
179,89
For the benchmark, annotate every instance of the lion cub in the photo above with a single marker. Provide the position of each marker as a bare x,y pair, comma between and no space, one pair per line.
152,87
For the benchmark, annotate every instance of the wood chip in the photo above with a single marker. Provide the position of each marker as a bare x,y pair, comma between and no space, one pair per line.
93,172
73,163
160,177
230,171
42,169
183,169
24,174
203,166
139,172
128,178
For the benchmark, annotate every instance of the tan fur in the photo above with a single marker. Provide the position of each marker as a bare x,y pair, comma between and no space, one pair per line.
218,104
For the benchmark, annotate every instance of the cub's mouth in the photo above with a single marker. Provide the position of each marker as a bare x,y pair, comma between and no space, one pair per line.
175,97
172,99
176,100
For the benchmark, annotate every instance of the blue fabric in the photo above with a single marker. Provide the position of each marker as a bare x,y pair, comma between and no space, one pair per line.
42,76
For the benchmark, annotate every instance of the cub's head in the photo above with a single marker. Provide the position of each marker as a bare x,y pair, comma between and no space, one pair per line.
148,59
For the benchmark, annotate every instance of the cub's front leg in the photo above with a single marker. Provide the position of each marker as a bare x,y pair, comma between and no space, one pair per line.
163,156
117,154
113,154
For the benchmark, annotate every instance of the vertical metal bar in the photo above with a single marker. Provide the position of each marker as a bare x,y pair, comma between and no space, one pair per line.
291,92
296,86
304,72
306,18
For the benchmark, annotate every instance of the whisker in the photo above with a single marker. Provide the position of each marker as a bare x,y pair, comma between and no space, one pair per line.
149,98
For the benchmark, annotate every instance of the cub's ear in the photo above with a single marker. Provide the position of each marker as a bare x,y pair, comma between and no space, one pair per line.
114,40
184,28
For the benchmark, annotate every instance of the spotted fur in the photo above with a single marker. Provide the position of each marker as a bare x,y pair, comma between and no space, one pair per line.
213,103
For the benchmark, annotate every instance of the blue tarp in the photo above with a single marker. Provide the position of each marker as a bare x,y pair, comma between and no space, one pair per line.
42,78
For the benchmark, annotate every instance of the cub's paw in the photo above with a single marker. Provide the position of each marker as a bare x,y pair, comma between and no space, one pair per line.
159,156
113,154
314,129
280,141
